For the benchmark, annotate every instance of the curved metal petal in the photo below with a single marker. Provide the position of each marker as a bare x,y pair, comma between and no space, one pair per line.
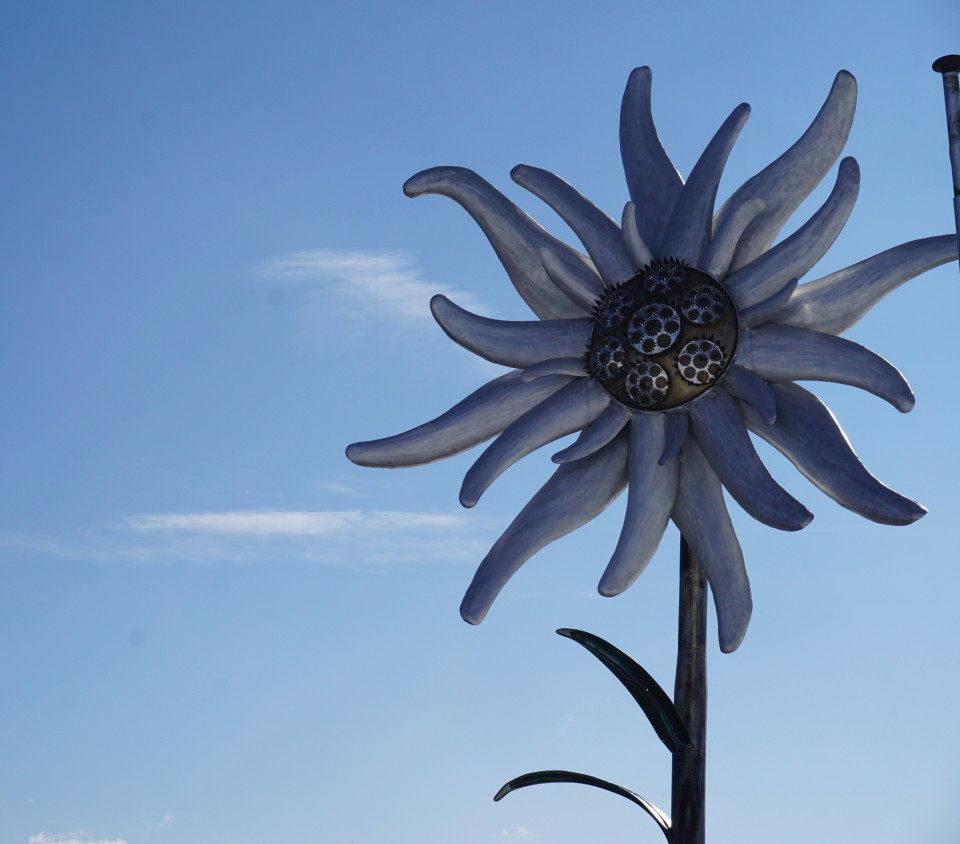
752,389
541,777
785,353
519,344
837,301
650,497
577,493
719,431
675,435
691,224
569,409
556,366
656,704
793,256
769,308
652,180
808,434
515,237
786,182
583,286
701,514
478,417
608,425
719,253
639,254
599,234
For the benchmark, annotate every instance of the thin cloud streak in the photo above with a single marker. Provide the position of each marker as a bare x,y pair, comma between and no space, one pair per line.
43,837
382,279
291,522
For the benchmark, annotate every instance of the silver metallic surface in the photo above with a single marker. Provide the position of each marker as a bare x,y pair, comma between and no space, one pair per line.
576,493
472,421
597,232
571,408
519,344
651,492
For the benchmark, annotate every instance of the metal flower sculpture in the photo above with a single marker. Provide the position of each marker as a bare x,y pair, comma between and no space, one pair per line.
678,333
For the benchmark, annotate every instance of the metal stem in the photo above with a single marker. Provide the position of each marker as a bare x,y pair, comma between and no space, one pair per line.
690,697
949,68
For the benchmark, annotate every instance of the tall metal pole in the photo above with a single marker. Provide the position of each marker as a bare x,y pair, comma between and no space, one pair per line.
688,803
949,68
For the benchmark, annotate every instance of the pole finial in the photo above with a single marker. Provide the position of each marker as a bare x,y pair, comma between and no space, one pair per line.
947,64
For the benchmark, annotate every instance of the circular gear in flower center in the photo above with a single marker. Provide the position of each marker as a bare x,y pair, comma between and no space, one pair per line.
663,337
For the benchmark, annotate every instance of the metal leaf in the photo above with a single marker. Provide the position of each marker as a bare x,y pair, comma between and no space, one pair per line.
653,700
540,777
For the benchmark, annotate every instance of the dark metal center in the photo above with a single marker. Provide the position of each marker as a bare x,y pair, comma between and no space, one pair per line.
662,338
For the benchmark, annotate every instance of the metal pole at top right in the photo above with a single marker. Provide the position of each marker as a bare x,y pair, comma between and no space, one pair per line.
949,68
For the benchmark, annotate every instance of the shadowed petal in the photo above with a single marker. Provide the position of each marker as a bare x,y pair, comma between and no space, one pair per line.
785,353
752,389
515,237
701,515
691,224
786,182
577,493
639,254
675,435
652,180
719,253
793,256
650,497
835,302
519,344
769,308
608,425
477,418
556,366
569,409
582,285
719,431
597,232
808,434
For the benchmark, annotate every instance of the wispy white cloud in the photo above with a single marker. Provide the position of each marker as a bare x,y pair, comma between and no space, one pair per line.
70,838
517,833
343,538
292,522
380,280
167,820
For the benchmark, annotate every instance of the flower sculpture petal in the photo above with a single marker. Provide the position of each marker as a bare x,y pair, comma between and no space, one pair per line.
678,333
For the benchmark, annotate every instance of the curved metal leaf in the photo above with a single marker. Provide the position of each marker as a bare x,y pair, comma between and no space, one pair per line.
540,777
653,700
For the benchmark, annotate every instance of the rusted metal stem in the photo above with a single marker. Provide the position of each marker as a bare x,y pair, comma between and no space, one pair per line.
949,68
690,697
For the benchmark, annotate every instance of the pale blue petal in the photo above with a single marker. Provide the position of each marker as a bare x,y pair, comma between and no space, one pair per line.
808,434
650,497
786,182
690,227
701,514
478,417
577,493
515,237
786,353
519,344
718,428
569,409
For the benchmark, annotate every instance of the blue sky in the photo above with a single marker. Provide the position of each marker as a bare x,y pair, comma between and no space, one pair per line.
215,628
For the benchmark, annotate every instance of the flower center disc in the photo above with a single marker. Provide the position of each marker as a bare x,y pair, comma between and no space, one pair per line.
664,337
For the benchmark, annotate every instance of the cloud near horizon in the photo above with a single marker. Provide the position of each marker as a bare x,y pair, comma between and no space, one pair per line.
44,837
291,522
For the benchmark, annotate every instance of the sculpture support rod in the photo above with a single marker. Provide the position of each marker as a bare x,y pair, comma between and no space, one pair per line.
949,68
690,697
